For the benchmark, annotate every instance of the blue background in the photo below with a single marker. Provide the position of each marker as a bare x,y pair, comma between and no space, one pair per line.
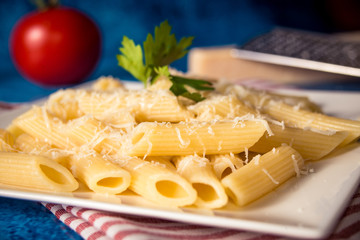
212,22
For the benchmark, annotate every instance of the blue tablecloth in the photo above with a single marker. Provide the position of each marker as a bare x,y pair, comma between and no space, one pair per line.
30,220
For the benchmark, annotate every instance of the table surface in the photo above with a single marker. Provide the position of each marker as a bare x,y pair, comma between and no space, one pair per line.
22,219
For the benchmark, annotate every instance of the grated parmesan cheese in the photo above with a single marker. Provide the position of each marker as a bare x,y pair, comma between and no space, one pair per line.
183,144
141,165
211,131
328,132
46,117
256,159
268,174
220,145
149,148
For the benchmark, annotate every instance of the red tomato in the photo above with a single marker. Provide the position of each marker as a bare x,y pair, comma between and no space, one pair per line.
55,47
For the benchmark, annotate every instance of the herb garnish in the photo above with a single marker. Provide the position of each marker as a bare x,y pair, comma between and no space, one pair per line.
160,51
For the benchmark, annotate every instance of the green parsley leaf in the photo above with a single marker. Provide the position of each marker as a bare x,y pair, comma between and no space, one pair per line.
194,83
179,84
160,51
179,89
162,71
131,60
163,49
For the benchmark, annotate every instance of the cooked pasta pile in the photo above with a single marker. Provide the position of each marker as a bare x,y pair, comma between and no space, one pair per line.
236,145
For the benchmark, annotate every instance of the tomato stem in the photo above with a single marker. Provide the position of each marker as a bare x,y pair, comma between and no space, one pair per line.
43,5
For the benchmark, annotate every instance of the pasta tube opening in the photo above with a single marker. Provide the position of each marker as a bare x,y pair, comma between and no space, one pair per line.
58,177
36,172
53,175
111,182
209,190
171,189
158,183
226,172
206,192
100,175
137,137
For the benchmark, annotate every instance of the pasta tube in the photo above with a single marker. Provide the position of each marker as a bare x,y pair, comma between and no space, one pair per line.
107,83
97,103
158,183
160,106
152,139
99,174
162,161
90,134
26,143
260,99
40,124
311,145
199,173
220,107
63,104
36,172
224,164
14,130
84,132
6,141
262,175
306,119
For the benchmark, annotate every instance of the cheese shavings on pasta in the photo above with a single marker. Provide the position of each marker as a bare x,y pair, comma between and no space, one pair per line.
236,145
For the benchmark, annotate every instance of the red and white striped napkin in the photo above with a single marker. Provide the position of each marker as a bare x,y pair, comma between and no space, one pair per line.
100,225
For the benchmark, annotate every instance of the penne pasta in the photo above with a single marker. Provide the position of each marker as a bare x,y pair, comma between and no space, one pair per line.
14,130
237,143
38,123
260,99
26,143
36,172
97,103
224,164
90,134
160,105
316,121
99,174
162,161
311,145
209,190
6,141
220,107
152,139
107,83
63,105
84,132
262,175
158,183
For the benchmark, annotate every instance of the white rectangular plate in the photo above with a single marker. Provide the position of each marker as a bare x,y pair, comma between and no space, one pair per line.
306,207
